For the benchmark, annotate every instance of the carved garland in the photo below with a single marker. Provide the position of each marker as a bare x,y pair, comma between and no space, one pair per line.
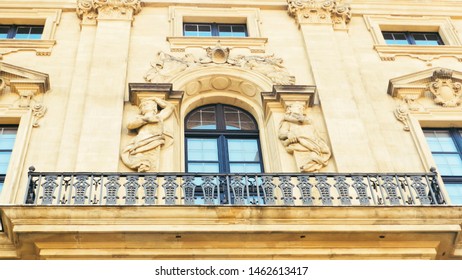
166,66
320,11
88,10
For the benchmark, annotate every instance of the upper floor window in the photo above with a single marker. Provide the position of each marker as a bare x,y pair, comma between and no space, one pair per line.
214,30
222,139
412,38
446,148
21,32
7,138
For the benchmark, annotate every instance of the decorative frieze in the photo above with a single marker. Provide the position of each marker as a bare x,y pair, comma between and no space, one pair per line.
90,10
332,12
166,66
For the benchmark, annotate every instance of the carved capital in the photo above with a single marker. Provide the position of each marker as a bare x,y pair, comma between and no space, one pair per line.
90,10
333,12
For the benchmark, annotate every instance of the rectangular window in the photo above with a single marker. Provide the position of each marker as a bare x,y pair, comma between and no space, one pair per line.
412,38
21,32
446,148
214,30
7,138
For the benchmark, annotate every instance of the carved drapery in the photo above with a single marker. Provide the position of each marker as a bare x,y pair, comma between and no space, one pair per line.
166,66
332,12
436,89
143,152
300,138
89,10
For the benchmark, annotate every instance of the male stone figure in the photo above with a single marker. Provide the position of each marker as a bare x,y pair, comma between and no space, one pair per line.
143,152
300,138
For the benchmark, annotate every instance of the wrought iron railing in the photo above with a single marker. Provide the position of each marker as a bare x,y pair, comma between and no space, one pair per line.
315,189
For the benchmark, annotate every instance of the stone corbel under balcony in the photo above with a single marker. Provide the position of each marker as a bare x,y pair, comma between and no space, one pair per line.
180,44
41,47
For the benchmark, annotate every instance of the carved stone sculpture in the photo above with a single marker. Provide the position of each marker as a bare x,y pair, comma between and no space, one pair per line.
166,66
446,91
301,139
320,11
143,152
115,9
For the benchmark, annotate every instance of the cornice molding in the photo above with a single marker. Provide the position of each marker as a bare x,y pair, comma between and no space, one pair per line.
333,12
90,10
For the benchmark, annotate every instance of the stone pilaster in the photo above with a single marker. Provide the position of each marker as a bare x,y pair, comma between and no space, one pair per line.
100,128
340,106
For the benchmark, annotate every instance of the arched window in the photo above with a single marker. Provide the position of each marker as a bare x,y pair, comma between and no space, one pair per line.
222,139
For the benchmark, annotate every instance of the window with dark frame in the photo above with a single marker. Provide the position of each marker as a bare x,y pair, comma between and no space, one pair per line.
7,138
214,30
446,148
412,38
21,32
222,139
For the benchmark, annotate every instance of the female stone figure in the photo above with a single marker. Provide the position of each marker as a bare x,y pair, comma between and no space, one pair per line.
300,138
143,152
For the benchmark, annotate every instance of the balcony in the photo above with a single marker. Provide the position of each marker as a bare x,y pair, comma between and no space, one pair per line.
315,189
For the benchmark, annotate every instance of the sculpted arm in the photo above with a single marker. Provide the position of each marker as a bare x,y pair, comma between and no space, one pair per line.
167,108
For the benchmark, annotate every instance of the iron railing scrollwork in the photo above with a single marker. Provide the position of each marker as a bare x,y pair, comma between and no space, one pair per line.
316,189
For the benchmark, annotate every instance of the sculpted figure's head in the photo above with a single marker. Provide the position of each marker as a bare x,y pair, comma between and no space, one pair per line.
148,106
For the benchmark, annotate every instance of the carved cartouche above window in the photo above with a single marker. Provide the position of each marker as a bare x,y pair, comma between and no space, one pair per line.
89,10
320,11
432,90
166,66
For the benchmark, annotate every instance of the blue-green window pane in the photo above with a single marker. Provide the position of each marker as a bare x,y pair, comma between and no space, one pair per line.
4,160
1,187
449,164
236,119
424,39
29,32
232,30
455,193
198,30
440,141
243,150
201,149
245,168
4,31
201,167
204,118
395,38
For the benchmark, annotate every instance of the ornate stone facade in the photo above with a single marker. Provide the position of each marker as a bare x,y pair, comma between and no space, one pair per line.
90,10
166,66
320,11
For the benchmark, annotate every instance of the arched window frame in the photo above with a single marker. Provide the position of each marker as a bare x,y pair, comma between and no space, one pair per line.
222,135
